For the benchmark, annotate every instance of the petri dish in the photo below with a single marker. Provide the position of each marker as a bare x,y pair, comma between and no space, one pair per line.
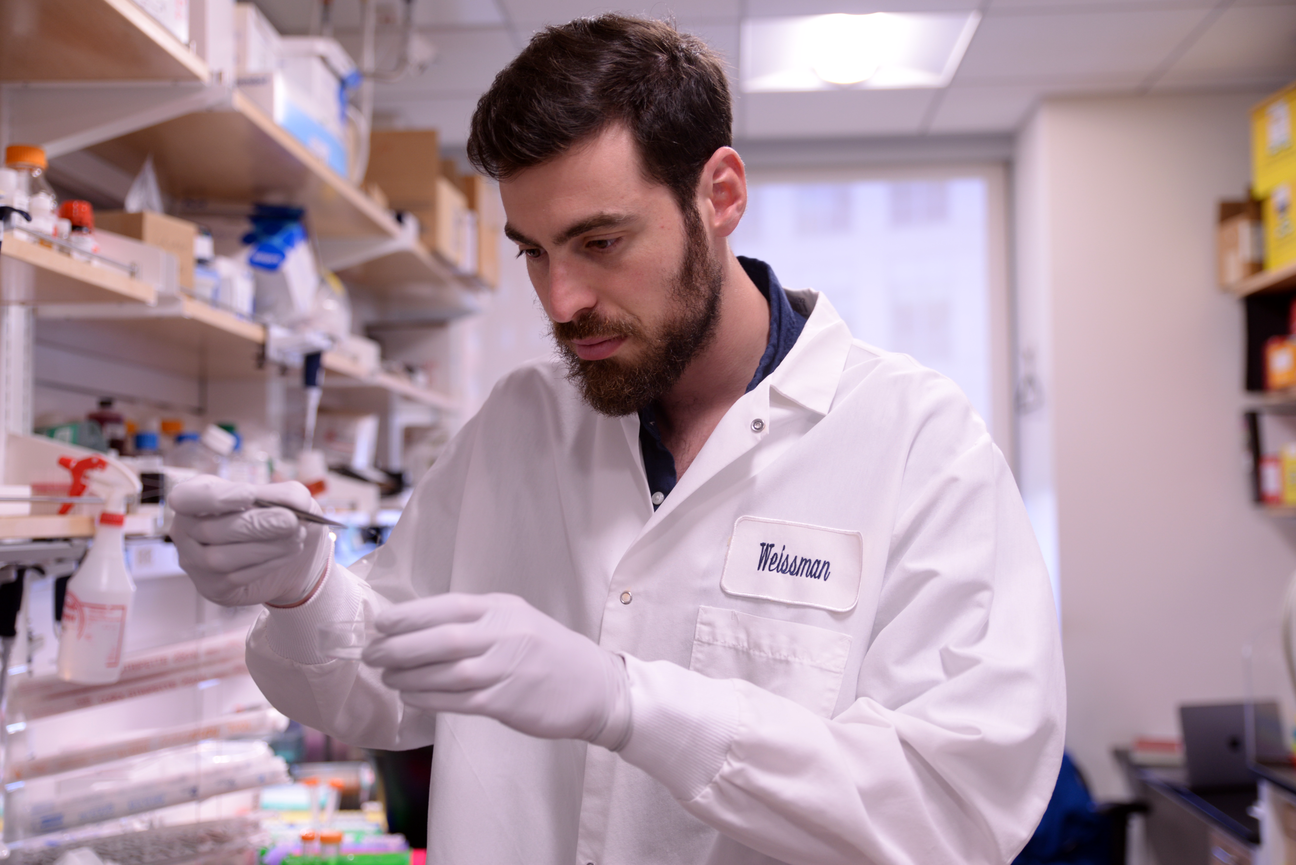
345,641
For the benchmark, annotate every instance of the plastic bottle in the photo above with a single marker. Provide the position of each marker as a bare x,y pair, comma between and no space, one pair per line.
170,430
81,233
207,453
32,191
99,594
112,423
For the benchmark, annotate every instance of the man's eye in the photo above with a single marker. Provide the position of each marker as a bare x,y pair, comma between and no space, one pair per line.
530,252
603,244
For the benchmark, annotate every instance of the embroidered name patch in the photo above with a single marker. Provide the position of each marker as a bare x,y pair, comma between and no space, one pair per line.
794,563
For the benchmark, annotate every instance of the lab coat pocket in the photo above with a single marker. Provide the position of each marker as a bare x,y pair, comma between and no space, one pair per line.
801,662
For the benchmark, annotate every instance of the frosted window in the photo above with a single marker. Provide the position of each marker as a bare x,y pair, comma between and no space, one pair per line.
906,263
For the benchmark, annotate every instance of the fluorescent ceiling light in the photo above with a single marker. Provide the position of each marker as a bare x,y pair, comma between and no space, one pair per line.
883,50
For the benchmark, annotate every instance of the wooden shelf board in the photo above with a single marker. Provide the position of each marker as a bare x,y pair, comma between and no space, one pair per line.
186,336
239,154
90,40
353,377
44,527
1268,280
59,278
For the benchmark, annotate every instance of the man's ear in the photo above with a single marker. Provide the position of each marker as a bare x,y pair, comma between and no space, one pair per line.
722,192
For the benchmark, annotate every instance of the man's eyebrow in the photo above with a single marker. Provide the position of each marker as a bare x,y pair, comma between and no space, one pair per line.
576,229
598,220
518,237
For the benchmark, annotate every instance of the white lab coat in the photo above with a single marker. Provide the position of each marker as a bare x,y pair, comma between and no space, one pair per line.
924,724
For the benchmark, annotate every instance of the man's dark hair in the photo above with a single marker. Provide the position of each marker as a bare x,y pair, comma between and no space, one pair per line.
574,81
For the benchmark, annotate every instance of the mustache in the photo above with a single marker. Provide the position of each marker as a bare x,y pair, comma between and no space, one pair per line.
590,325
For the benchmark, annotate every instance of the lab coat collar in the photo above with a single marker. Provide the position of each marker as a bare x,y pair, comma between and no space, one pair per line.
808,377
810,373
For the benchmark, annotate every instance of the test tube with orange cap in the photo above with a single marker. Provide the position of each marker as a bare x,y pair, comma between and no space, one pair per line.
335,788
309,844
312,791
331,845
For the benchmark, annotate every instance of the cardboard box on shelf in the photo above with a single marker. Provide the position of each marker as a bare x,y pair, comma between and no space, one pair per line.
1273,151
176,236
406,165
257,44
319,130
1240,241
1279,227
482,200
171,14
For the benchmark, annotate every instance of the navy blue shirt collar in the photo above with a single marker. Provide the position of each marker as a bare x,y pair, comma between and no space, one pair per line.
785,327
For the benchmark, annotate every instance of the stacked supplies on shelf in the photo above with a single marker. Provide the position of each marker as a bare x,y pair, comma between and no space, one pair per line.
143,783
214,842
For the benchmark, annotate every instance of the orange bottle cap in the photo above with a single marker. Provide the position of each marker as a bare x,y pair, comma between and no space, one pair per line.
331,836
308,835
170,426
25,154
337,783
79,213
311,782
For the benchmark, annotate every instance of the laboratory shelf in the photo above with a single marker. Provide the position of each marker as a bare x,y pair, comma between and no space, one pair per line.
179,333
235,153
45,527
52,276
1279,279
90,40
344,373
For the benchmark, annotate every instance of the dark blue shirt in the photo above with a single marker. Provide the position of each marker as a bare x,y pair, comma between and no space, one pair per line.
785,326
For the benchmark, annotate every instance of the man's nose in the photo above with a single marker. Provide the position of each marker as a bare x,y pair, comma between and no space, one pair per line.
569,293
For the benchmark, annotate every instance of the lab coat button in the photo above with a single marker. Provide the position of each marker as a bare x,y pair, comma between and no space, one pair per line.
658,497
626,597
758,425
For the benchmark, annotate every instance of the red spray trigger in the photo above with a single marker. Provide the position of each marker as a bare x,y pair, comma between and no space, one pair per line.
78,469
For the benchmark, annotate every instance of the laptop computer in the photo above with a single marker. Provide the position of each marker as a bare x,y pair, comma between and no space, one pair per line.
1220,737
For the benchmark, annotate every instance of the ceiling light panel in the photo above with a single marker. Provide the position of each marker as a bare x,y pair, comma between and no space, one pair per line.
881,51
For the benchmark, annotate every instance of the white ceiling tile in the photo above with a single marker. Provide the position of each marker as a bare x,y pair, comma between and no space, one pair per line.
466,63
530,15
1097,49
834,115
983,109
449,117
1095,5
1245,44
778,8
294,16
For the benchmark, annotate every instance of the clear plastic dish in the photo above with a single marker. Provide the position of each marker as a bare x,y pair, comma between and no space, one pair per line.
345,641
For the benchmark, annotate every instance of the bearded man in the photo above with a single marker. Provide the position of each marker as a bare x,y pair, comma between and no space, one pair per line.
721,585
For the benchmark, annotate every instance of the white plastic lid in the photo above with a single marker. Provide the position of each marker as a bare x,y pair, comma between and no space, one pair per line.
311,466
219,440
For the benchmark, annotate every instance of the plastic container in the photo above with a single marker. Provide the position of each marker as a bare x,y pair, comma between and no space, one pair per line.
207,453
32,191
330,846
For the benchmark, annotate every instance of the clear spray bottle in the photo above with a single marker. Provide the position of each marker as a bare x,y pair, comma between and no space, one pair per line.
99,594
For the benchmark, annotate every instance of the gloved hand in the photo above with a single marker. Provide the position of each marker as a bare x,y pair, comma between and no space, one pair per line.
237,554
496,655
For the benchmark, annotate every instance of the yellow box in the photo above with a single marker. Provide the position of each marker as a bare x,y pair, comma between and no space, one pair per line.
1273,148
1279,231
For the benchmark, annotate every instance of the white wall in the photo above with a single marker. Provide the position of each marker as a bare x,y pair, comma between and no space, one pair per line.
1165,567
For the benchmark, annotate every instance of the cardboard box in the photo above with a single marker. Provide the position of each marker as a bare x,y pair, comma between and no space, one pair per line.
1273,151
257,45
176,236
1279,230
320,131
483,201
1240,241
406,165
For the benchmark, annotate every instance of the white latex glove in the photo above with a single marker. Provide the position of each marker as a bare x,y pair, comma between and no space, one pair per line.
237,554
496,655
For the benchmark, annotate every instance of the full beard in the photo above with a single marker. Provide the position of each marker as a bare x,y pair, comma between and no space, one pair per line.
615,387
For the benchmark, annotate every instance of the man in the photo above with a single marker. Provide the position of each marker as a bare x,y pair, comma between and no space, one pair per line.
722,586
